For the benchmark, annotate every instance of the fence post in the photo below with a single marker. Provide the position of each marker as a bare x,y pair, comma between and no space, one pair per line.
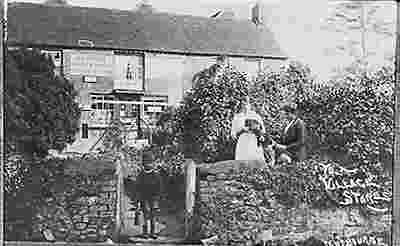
190,188
118,219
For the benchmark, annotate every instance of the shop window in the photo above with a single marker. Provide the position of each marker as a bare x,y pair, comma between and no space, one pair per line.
99,102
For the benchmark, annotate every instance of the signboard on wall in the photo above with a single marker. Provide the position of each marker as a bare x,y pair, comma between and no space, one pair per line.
89,63
128,72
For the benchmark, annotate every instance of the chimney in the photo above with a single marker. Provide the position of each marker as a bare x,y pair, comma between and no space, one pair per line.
256,14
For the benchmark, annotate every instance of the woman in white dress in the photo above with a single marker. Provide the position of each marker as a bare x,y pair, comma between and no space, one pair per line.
248,129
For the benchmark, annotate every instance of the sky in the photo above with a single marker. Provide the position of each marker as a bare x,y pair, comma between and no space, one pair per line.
296,26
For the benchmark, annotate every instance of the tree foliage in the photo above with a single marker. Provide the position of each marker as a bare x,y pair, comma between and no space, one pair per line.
274,88
40,108
202,124
357,120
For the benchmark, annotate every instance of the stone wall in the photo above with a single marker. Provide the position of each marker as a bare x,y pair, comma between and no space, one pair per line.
85,212
239,212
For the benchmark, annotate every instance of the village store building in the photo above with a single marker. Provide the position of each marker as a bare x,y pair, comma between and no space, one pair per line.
131,64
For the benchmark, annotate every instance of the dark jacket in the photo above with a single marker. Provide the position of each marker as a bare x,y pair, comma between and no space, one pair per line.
294,139
149,185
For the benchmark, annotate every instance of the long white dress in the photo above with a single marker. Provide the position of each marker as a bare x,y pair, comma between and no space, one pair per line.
247,147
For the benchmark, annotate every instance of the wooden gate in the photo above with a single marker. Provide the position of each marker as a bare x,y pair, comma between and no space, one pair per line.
190,187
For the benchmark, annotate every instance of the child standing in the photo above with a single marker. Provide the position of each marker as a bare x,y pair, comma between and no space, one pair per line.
149,190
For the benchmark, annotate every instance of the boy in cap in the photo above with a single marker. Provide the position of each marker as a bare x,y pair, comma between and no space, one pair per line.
149,187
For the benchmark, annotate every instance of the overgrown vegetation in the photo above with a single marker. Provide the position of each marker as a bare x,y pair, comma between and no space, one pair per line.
40,108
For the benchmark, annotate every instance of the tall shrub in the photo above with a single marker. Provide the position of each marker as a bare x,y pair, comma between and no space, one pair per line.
202,123
357,120
273,88
40,108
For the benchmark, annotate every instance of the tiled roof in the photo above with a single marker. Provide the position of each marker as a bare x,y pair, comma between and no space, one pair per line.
57,25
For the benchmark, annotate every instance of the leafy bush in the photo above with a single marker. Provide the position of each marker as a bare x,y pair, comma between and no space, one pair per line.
357,120
351,118
291,184
202,123
40,108
273,88
164,135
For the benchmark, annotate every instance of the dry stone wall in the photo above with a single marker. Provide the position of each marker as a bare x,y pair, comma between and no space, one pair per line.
239,212
84,213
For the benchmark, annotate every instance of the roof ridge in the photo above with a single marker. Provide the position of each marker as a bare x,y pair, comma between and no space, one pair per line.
115,10
65,25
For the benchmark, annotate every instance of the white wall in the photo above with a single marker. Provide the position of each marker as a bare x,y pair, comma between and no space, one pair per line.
172,74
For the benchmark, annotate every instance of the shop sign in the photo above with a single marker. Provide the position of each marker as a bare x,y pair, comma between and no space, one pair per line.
128,72
355,187
154,109
89,63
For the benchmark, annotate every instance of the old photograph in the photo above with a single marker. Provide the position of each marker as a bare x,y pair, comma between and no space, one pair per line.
211,122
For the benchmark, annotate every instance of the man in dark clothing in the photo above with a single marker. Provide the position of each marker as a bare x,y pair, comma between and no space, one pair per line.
149,187
292,146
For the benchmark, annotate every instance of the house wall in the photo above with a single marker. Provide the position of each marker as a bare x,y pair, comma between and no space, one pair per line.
165,74
172,74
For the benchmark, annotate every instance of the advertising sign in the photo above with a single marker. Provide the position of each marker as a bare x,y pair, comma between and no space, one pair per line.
89,63
154,109
128,72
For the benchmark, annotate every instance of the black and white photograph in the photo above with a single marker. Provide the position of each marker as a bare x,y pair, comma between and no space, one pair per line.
207,122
